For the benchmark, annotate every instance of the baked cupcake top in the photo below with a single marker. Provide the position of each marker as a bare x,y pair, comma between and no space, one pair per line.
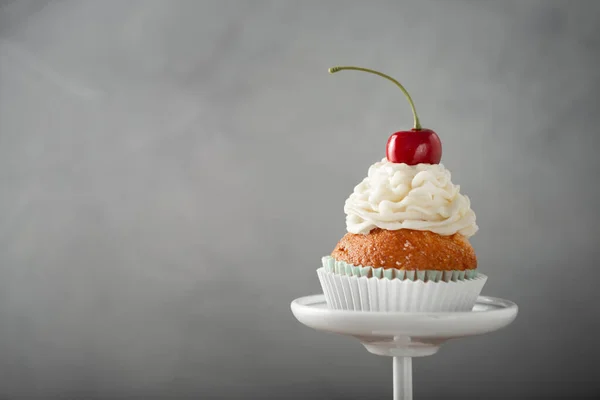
419,197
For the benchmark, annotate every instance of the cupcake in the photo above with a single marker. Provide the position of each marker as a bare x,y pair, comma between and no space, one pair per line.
407,246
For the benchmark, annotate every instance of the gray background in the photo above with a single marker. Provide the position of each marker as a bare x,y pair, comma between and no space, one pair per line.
171,173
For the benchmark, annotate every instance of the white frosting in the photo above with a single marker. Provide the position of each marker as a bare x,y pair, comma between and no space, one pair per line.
400,196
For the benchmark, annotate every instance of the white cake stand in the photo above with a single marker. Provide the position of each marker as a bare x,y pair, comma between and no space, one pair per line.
405,335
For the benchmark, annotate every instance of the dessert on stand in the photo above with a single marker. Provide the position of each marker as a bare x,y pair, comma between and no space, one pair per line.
403,279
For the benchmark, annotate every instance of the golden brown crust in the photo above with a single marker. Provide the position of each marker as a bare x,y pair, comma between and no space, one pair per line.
406,249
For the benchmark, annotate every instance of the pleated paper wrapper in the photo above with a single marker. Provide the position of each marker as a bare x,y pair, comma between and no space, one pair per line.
348,287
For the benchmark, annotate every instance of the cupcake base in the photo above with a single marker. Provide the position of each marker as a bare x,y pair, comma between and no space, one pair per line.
364,293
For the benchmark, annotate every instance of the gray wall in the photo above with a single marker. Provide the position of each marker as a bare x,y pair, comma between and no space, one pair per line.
171,173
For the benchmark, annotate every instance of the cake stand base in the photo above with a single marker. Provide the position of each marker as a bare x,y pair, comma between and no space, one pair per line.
405,335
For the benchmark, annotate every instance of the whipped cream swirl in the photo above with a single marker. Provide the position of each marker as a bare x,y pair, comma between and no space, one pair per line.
400,196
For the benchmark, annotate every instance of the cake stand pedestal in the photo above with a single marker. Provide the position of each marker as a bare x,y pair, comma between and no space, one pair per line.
405,335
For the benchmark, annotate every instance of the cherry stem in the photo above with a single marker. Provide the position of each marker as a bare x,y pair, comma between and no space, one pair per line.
417,125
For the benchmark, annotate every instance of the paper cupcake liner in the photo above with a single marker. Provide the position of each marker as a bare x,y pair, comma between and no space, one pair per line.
330,264
363,293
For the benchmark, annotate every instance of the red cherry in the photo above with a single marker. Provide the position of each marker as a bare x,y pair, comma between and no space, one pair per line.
417,146
414,147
